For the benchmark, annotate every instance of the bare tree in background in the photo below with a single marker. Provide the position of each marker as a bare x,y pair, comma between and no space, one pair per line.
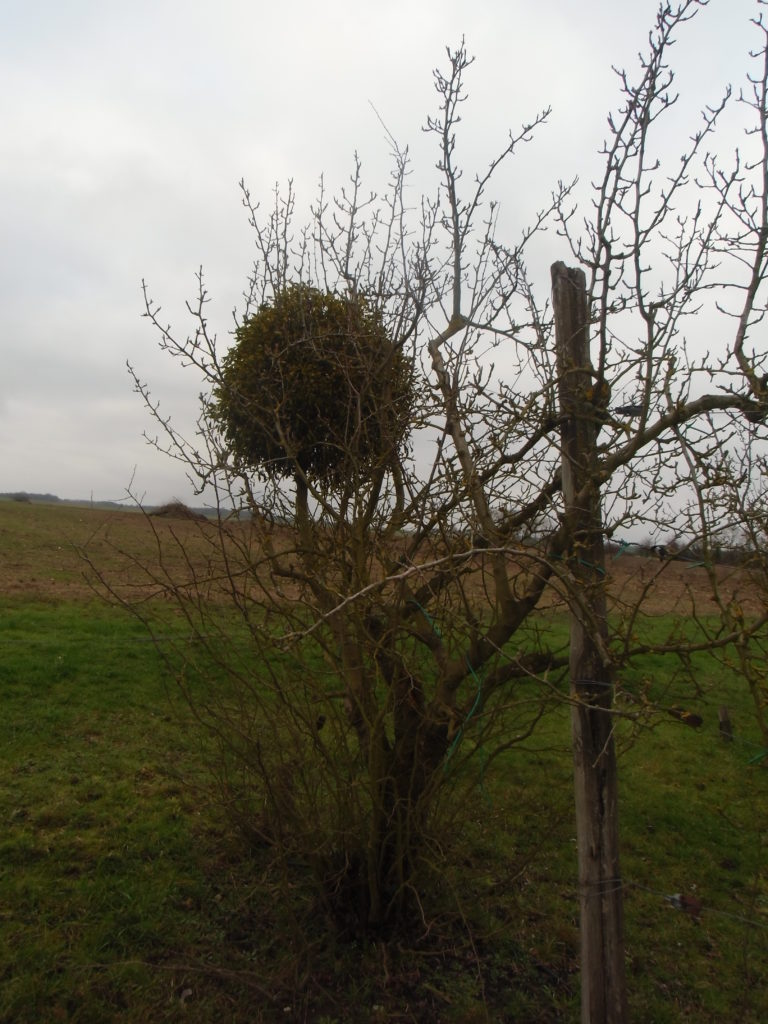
387,612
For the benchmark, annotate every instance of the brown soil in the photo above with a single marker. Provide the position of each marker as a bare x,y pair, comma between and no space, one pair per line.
683,587
45,550
50,552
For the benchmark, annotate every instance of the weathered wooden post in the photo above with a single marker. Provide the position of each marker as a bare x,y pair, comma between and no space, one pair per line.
582,400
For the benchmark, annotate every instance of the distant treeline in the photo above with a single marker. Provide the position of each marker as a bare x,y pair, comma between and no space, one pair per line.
25,496
28,497
694,553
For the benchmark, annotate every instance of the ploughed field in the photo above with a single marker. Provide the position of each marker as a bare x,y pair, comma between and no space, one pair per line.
42,549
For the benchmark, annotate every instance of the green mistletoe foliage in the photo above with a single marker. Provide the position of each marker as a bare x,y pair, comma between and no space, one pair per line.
313,383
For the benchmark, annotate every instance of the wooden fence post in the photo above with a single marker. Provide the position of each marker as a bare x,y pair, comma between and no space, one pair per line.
582,398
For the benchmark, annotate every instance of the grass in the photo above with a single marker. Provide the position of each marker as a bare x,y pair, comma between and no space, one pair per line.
94,854
124,897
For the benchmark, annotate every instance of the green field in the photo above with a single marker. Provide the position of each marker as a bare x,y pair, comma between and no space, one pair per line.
125,897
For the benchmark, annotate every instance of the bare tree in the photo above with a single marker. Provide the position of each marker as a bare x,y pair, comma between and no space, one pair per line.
386,612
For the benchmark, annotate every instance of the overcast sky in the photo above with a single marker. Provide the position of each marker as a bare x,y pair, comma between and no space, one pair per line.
127,126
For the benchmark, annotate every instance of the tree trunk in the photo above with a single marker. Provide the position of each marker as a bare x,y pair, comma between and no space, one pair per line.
402,779
583,398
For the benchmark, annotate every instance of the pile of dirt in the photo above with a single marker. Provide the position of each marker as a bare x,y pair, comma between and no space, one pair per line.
177,510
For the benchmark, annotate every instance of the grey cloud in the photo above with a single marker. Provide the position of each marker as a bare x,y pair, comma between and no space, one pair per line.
127,127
